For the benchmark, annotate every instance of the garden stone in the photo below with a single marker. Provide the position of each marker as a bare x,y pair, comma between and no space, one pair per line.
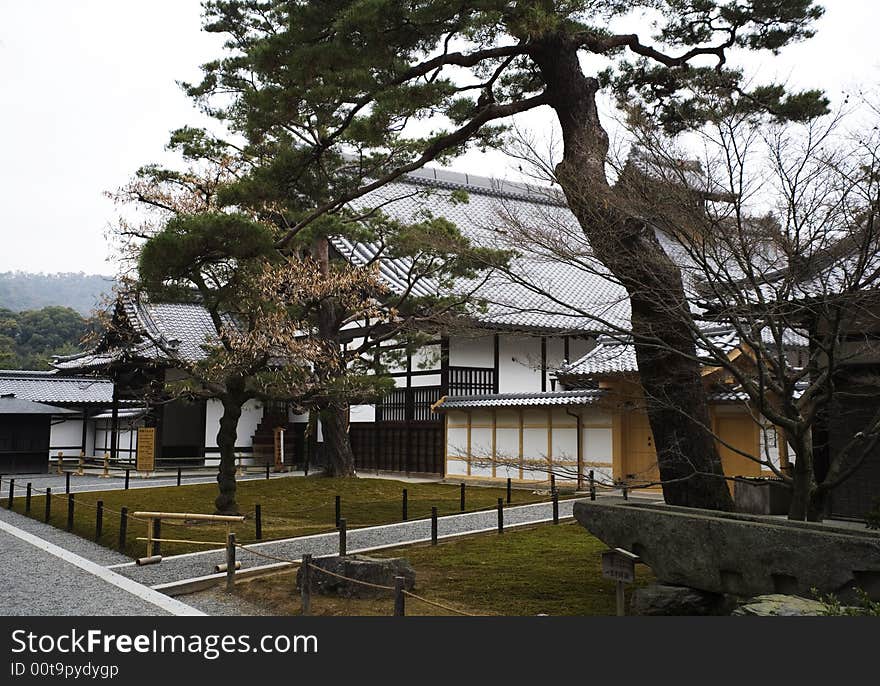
372,570
676,601
778,605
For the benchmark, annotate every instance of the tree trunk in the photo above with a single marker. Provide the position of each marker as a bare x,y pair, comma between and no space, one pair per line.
337,445
805,497
688,459
225,503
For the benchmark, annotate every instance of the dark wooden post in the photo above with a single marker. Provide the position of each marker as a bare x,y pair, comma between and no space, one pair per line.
405,512
123,528
99,520
552,482
179,471
461,499
500,516
230,561
126,478
343,535
555,507
592,486
48,503
625,491
157,534
67,482
399,597
11,494
70,512
433,526
27,499
508,490
258,517
267,471
338,509
305,589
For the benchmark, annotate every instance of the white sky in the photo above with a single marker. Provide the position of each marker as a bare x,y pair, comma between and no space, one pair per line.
88,94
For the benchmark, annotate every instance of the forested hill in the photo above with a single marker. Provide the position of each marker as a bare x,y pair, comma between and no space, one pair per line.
21,291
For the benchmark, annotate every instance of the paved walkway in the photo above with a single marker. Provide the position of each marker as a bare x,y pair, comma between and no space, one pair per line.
42,578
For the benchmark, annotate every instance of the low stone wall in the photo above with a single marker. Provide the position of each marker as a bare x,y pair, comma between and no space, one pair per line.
743,555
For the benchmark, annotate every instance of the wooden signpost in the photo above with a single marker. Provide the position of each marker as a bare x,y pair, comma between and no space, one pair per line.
279,448
146,449
620,565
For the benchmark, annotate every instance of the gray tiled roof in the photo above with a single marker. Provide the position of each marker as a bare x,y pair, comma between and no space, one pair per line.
579,397
180,328
576,292
49,387
617,355
12,405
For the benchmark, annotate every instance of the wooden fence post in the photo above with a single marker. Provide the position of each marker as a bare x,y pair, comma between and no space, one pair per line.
123,528
27,499
508,490
433,526
67,482
338,505
500,516
258,517
48,504
179,474
99,520
70,502
305,588
11,493
126,478
230,561
343,535
555,507
405,506
461,499
157,533
267,471
399,597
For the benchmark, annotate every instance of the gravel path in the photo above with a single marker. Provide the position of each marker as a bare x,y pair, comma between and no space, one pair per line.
76,544
40,578
191,565
91,481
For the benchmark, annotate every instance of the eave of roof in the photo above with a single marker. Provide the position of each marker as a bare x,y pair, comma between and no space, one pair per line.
561,398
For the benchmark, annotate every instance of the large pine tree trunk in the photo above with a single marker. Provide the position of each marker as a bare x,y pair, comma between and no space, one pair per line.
334,419
225,503
688,459
337,445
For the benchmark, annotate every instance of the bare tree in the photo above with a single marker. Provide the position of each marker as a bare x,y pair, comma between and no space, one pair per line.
775,231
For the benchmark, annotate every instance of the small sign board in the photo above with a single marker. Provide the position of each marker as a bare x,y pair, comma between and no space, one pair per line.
146,449
619,565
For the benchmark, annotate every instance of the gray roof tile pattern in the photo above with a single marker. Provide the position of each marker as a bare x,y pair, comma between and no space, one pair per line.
617,355
12,405
579,397
51,388
578,295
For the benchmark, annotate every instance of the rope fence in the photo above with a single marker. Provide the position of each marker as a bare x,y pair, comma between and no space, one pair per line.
153,538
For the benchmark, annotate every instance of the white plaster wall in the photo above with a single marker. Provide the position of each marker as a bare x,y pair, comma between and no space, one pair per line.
362,413
65,436
519,364
251,415
471,351
555,357
426,380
